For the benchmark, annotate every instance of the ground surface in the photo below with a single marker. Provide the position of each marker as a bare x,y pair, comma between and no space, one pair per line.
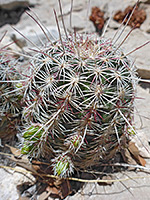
128,189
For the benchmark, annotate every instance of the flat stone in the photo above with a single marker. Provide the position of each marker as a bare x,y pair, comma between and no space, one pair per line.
141,141
126,189
13,4
142,112
34,36
9,180
141,55
146,1
144,73
7,41
146,25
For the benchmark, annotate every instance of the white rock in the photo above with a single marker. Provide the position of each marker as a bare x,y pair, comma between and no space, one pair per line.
9,180
35,36
7,41
141,141
146,1
12,4
142,112
146,24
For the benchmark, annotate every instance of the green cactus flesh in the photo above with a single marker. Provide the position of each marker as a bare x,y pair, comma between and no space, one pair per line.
62,165
31,139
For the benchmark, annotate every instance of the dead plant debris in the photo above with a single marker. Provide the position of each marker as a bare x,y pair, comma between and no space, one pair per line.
56,187
137,18
97,17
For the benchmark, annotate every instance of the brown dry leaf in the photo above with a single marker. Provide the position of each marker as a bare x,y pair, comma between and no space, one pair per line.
133,149
24,198
63,186
112,153
97,17
141,161
135,152
58,182
65,189
43,169
44,195
14,151
24,163
36,167
129,158
52,190
21,161
57,187
37,162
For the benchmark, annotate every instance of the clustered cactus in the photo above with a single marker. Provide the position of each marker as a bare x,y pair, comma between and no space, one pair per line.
10,99
78,101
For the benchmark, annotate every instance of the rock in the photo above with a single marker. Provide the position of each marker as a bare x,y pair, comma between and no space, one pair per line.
13,4
140,55
7,41
144,73
11,11
34,36
113,24
77,7
148,30
146,25
146,1
141,141
142,112
30,191
9,180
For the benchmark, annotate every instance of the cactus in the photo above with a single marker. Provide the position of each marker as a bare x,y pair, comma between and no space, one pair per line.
79,102
10,97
